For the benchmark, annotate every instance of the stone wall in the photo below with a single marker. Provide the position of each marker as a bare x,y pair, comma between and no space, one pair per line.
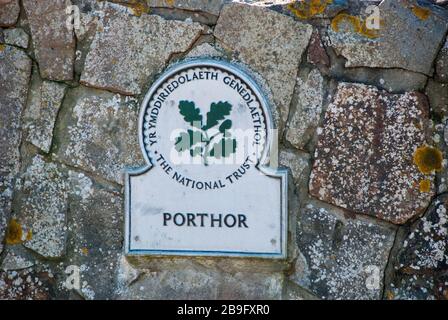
361,113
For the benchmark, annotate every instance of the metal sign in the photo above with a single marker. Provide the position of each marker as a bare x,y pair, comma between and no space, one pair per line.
205,130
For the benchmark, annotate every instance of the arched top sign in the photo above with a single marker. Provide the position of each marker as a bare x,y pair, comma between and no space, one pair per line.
205,130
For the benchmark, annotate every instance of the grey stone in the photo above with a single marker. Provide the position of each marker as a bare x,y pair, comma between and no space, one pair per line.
42,108
204,50
204,18
191,282
212,7
426,247
15,70
438,98
307,111
128,51
99,134
9,13
16,258
442,64
53,42
316,51
94,235
365,151
392,80
270,43
297,161
307,9
16,37
405,40
294,292
344,258
251,286
43,207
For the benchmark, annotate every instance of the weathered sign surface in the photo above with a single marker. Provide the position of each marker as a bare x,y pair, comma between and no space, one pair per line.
206,133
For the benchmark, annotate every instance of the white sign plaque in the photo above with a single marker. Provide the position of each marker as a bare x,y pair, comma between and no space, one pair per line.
205,130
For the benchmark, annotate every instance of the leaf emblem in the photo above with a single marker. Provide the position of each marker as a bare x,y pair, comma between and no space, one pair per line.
218,111
190,113
197,140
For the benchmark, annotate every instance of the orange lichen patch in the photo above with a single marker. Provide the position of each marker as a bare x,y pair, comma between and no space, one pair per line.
139,8
369,33
85,251
170,2
2,47
308,8
425,186
421,13
428,159
29,235
357,25
14,232
390,295
355,22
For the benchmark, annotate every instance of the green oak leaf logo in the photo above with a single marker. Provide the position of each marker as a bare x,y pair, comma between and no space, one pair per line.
197,139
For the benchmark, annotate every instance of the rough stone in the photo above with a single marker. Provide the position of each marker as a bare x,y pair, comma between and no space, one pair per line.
442,64
95,235
26,284
364,156
53,42
426,247
392,80
212,7
42,108
309,103
190,283
316,51
43,207
15,70
96,133
308,9
297,161
412,287
438,98
9,13
294,292
185,15
204,50
128,51
405,40
343,258
90,12
16,37
252,286
270,43
16,258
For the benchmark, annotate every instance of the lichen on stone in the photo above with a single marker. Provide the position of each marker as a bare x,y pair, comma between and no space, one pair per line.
14,232
421,12
308,8
428,159
425,185
357,24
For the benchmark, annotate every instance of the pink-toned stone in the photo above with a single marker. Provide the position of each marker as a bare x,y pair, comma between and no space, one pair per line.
316,51
364,156
54,43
